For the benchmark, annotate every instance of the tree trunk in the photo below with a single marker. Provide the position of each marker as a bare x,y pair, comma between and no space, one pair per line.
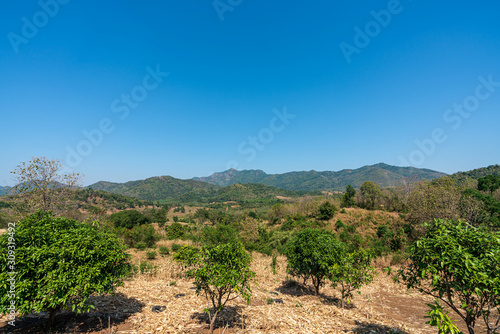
52,315
212,321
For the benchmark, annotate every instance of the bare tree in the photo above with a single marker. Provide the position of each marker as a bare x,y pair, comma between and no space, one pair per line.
42,183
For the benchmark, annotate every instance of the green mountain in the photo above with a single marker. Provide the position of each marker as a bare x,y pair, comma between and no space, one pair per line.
382,174
4,190
477,173
156,188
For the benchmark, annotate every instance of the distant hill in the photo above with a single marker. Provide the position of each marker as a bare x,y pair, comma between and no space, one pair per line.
167,188
477,173
4,190
156,188
382,174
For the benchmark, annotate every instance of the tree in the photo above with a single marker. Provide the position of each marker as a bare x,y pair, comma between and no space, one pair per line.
43,183
311,253
128,218
352,273
489,183
222,274
174,231
326,211
370,193
457,264
348,197
58,263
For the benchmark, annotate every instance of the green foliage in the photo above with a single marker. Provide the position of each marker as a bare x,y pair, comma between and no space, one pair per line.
298,222
489,183
164,250
351,273
188,255
223,274
458,264
221,234
141,245
151,255
128,218
311,253
59,263
140,234
326,211
370,194
439,317
175,231
348,197
176,247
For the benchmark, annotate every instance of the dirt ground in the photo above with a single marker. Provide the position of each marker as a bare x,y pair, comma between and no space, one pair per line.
382,307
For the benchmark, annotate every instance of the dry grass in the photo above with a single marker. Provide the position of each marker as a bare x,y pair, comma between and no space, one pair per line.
375,310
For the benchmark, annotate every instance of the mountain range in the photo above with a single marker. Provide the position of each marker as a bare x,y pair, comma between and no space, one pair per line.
382,174
221,185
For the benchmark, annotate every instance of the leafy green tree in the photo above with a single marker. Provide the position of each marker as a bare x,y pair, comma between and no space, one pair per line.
370,194
223,273
175,231
141,234
326,211
221,234
348,197
457,264
128,218
58,263
352,273
311,254
489,183
43,183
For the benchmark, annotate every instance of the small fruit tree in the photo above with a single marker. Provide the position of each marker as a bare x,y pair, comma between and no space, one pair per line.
459,265
48,263
311,254
351,273
221,273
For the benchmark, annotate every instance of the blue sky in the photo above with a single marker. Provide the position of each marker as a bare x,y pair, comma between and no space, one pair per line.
279,86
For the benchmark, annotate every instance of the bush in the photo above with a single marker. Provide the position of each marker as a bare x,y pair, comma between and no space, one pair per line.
326,211
311,253
188,255
141,245
144,233
164,250
175,231
59,262
457,264
221,234
151,255
176,247
128,218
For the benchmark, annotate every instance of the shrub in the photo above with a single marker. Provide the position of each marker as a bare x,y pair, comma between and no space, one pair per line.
221,234
151,255
144,233
175,231
311,253
176,247
59,262
188,255
457,264
128,218
326,211
141,245
164,250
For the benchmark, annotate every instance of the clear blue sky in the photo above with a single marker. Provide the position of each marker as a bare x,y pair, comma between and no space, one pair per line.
69,66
